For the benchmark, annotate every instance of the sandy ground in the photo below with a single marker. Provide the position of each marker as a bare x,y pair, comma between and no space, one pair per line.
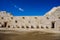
30,36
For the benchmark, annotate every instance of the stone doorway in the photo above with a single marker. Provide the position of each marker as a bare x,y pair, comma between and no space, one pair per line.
53,24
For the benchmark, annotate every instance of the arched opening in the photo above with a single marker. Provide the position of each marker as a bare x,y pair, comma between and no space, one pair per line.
27,26
37,27
22,26
47,27
8,26
32,27
42,27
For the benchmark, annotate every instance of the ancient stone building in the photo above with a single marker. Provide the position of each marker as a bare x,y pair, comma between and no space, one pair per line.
50,22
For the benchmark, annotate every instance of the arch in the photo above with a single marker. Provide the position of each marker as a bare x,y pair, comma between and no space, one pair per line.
47,27
8,26
32,26
37,27
22,26
27,26
42,27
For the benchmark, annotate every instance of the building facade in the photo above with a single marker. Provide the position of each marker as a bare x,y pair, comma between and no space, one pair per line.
50,22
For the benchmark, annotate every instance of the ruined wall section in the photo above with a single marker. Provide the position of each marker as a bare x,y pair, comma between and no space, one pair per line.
10,22
54,16
49,22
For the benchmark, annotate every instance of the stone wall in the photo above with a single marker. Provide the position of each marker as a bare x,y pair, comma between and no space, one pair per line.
49,22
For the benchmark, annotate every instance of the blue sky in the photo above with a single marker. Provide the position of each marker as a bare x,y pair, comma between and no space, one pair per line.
28,7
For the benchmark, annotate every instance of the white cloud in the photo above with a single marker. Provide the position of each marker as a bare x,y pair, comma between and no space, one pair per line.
21,9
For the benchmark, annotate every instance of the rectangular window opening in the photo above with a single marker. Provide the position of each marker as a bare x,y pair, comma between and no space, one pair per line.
53,25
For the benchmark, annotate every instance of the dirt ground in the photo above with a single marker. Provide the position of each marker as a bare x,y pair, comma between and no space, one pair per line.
30,36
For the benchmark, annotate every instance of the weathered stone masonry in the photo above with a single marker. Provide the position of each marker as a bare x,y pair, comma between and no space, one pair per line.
50,22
